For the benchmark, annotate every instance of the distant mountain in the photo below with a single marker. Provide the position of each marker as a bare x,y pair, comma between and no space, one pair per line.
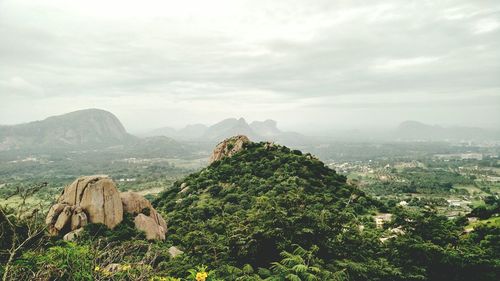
163,131
229,127
157,147
265,128
414,130
83,128
257,131
190,132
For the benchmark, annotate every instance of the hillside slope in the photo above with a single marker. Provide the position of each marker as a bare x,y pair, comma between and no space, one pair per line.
88,127
249,207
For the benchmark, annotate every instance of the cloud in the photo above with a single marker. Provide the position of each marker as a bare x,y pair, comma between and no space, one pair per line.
206,60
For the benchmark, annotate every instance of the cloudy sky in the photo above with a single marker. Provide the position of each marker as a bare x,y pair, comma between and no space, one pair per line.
311,65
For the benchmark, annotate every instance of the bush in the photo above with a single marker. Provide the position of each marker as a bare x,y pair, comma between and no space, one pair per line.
66,261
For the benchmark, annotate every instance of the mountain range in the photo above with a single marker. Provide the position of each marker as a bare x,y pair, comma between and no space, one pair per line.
257,130
96,128
414,130
86,129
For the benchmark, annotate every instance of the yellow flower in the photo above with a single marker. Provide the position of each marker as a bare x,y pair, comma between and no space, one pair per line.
97,268
201,276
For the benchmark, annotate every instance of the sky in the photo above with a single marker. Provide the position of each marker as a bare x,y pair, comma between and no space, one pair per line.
312,65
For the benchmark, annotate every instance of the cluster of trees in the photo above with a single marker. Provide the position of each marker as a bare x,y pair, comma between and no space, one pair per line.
490,208
267,213
420,180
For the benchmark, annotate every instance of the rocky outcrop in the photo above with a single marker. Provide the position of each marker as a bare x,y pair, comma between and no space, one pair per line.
147,219
95,199
147,224
229,147
97,196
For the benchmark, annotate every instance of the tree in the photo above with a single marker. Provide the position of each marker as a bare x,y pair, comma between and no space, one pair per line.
19,228
302,265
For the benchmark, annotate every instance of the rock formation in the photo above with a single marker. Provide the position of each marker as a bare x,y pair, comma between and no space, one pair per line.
228,147
147,218
95,199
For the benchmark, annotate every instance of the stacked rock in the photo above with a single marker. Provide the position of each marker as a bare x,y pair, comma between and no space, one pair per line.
95,199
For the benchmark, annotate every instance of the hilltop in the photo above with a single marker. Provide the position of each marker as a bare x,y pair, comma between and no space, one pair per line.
256,201
82,128
87,131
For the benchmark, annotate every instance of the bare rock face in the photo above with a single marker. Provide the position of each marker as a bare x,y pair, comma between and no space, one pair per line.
90,199
98,197
63,219
228,147
95,199
70,236
150,227
78,219
53,213
136,204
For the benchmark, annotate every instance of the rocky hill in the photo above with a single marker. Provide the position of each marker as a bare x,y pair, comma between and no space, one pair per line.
227,128
83,128
259,211
266,128
95,199
254,199
257,130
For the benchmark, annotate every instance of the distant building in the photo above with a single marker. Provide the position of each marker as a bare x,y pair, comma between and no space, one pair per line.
493,179
462,156
471,156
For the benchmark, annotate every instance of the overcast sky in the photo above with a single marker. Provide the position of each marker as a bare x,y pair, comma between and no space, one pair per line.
311,65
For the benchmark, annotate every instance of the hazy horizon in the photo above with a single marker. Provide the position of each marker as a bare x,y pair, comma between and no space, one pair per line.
311,66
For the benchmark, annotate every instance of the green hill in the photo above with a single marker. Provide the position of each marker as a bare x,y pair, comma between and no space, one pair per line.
264,213
249,207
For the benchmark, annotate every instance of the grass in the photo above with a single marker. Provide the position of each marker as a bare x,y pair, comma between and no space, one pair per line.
471,189
491,222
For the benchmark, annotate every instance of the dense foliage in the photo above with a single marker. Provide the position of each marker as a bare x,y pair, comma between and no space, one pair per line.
250,207
268,213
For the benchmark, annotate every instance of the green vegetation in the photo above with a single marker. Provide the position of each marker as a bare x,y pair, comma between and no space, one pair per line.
272,213
250,207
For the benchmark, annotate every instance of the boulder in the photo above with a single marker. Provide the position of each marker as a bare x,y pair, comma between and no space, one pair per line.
95,199
78,219
174,251
136,204
101,201
152,230
53,213
90,199
63,219
70,236
228,147
161,221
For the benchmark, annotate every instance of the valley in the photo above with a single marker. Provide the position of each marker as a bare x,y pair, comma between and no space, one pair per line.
243,206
